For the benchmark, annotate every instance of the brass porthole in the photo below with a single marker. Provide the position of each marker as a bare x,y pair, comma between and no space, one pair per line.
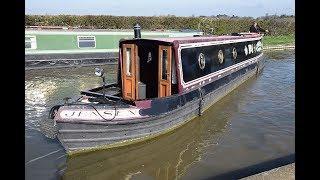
201,61
220,57
246,50
234,53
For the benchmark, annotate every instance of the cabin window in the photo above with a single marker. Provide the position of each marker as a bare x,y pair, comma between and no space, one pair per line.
30,42
128,61
86,41
164,64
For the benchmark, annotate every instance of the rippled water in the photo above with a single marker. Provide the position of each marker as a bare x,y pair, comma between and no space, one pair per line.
254,123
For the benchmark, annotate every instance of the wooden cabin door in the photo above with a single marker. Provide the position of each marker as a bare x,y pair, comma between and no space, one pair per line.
129,71
164,74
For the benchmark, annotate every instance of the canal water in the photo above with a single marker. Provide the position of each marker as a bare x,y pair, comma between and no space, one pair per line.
253,124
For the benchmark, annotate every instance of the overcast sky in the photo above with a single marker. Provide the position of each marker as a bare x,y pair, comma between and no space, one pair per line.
254,8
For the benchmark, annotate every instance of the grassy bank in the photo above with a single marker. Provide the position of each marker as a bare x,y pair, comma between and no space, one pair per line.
278,40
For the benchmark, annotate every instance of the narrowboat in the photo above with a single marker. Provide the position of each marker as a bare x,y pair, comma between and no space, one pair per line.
162,84
47,47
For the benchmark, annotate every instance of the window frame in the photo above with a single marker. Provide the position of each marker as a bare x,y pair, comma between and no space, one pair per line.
78,42
128,61
33,42
165,64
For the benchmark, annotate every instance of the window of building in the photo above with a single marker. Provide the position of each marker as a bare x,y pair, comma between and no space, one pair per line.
86,41
30,42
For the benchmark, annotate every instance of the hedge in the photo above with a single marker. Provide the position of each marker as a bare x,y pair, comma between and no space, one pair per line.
278,25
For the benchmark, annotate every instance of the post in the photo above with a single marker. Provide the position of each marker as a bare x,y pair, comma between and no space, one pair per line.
137,31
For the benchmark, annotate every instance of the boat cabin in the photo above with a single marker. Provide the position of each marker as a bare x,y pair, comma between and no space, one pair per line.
147,69
160,67
156,68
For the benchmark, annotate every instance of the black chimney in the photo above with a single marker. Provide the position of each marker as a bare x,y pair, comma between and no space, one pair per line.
137,31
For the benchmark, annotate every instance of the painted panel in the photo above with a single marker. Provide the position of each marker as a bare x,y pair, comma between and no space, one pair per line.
53,42
70,42
198,62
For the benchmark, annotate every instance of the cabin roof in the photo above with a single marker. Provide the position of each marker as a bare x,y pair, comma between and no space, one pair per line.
184,40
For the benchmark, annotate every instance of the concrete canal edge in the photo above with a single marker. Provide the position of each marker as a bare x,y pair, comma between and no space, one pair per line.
256,170
283,172
279,47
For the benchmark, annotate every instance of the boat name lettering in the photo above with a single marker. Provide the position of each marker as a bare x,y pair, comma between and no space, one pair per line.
259,46
250,48
245,50
90,115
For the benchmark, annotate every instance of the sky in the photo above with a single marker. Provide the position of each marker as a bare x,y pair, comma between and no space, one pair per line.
253,8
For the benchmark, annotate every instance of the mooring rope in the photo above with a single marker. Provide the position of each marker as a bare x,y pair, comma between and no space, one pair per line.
114,106
35,159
